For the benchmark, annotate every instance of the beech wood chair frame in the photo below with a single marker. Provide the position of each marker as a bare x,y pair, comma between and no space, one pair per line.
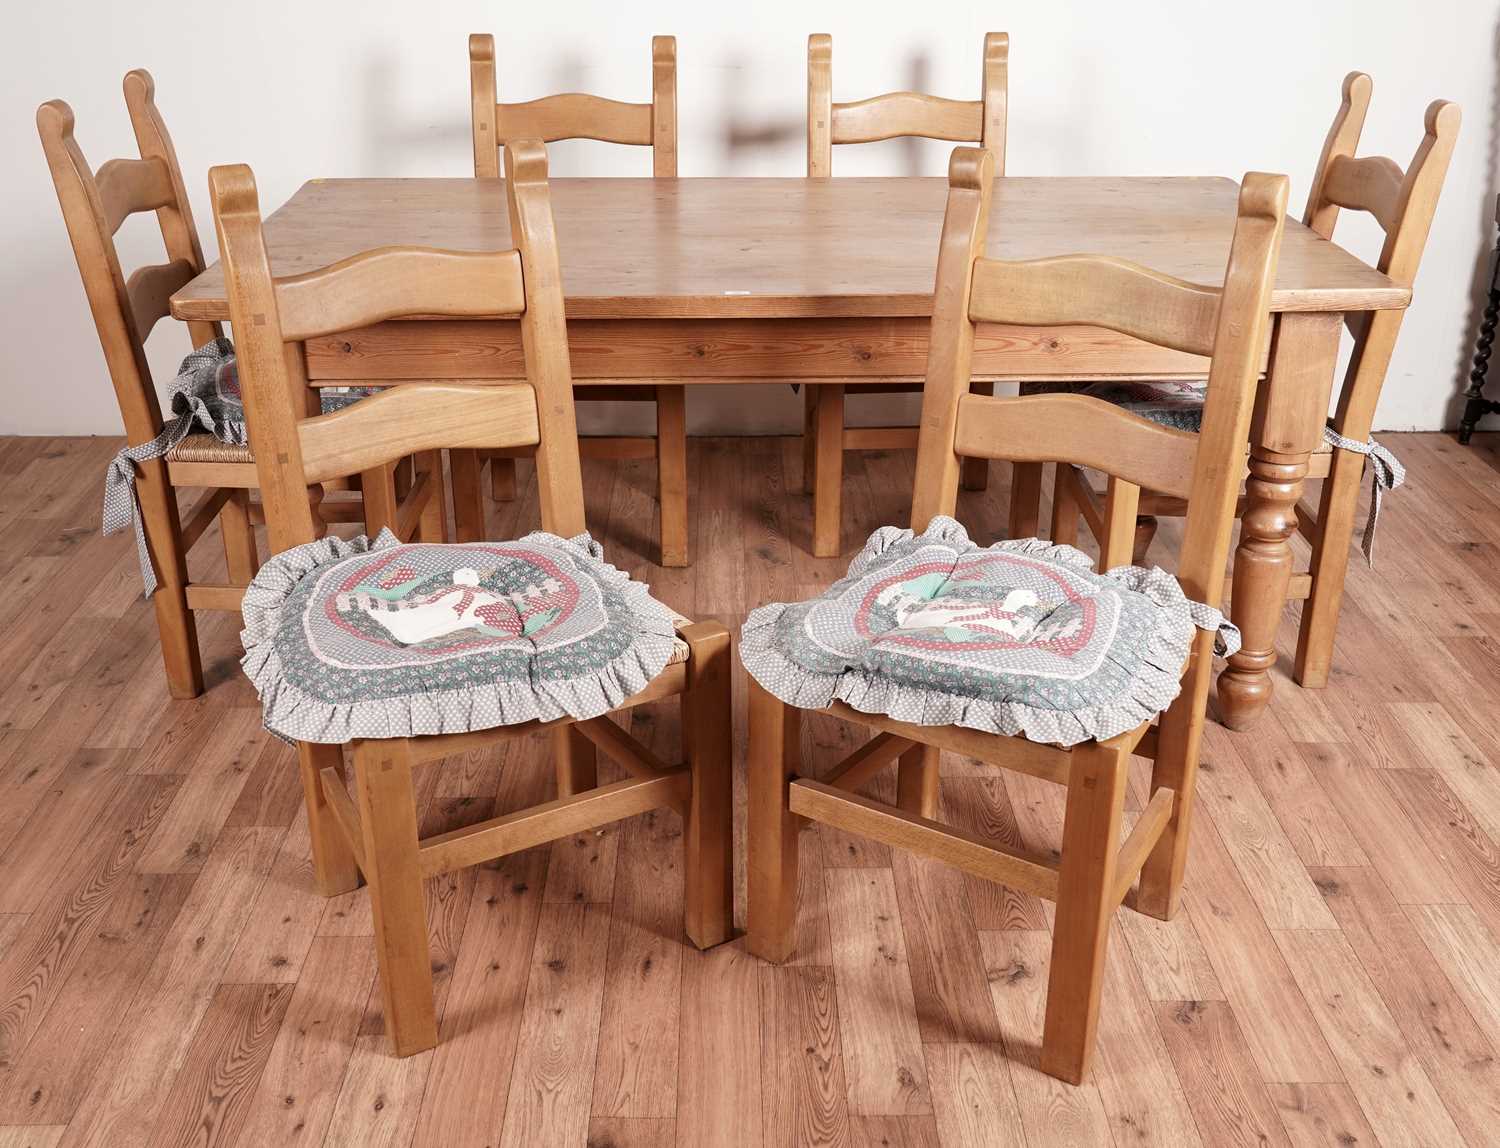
893,115
1097,870
374,834
575,115
1403,204
125,310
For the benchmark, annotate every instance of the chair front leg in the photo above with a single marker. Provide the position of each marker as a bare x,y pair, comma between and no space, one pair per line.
708,828
433,524
1065,511
468,495
1091,840
771,845
334,869
388,825
502,478
671,473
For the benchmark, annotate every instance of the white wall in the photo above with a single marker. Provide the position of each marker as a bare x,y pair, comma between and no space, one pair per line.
301,89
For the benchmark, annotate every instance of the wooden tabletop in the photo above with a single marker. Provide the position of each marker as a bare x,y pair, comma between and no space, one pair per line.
783,248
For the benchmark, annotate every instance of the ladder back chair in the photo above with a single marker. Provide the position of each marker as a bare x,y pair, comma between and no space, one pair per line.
374,834
1403,203
125,311
1097,871
576,115
893,115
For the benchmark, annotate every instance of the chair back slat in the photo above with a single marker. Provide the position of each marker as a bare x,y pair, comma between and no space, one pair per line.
93,206
1083,430
902,114
416,417
400,281
907,114
1228,324
150,291
296,448
574,115
1370,184
128,186
1096,291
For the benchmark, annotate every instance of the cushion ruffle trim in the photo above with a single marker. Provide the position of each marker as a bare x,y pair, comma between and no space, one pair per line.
1156,683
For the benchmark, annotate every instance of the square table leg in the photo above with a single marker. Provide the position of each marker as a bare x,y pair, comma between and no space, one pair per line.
1290,411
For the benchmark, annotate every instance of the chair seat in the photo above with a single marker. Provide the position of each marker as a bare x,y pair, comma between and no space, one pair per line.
1022,637
360,639
205,447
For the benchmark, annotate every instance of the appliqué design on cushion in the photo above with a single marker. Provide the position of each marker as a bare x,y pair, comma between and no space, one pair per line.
205,396
1019,637
353,639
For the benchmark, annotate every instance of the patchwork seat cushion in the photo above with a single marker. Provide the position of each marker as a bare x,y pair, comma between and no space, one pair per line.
1021,637
353,639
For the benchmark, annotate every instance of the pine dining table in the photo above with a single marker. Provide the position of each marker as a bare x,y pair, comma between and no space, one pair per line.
726,281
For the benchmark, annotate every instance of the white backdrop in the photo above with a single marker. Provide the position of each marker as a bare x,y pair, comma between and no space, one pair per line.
300,89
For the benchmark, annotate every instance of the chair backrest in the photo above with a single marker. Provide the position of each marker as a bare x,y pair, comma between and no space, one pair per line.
896,114
94,205
1228,324
574,115
1402,203
296,448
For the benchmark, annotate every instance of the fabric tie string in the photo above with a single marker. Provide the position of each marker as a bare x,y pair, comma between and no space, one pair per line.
1386,473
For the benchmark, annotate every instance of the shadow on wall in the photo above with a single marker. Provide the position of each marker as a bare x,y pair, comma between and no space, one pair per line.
1479,285
443,145
743,136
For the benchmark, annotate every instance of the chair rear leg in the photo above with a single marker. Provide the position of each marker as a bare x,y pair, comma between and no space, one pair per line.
502,478
809,437
671,473
468,495
917,780
388,824
976,471
708,828
1085,905
433,524
828,471
334,868
772,835
1065,512
1025,499
1330,564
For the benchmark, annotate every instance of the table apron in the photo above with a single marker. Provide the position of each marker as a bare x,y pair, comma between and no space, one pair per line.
623,351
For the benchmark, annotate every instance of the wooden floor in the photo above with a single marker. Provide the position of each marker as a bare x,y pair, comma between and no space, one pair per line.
168,975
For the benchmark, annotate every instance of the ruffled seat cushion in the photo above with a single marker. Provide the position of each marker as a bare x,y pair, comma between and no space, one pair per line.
1175,403
1022,637
354,639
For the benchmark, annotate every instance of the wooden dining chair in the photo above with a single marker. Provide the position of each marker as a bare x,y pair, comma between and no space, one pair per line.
1096,872
1402,203
578,116
374,833
825,438
94,205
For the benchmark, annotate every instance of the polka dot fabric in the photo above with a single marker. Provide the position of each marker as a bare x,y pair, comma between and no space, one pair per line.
1021,637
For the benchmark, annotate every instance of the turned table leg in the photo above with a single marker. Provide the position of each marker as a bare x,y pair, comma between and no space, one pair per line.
1290,413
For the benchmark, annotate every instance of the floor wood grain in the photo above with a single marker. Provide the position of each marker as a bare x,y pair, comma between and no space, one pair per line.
168,974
